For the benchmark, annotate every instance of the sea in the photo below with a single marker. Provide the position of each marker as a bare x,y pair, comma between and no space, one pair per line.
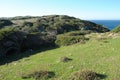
110,24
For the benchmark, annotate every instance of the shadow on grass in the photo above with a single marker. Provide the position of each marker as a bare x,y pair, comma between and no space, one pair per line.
102,76
14,57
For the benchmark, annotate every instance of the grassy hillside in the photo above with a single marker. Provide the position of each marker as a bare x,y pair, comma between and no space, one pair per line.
51,23
98,54
116,30
20,34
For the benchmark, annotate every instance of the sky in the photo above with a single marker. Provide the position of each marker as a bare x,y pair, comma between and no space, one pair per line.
83,9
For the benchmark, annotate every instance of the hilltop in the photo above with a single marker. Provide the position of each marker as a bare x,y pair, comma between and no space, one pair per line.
19,34
58,23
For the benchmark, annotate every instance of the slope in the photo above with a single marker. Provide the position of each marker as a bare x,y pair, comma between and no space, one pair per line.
99,55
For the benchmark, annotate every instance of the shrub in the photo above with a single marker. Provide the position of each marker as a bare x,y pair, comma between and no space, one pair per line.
116,30
65,59
39,40
63,23
7,31
79,33
67,39
5,23
88,75
28,24
39,75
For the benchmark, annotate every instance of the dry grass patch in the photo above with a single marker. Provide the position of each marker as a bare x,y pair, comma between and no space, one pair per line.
39,75
88,75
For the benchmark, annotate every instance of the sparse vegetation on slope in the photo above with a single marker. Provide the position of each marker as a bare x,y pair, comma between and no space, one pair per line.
116,30
96,56
99,55
39,75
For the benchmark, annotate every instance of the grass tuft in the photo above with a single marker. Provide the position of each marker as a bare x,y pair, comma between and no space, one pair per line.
65,59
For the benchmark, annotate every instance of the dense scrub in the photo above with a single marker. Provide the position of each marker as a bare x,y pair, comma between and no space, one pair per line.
12,40
5,23
61,24
42,32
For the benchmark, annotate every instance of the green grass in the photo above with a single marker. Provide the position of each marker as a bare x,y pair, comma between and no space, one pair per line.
116,29
98,56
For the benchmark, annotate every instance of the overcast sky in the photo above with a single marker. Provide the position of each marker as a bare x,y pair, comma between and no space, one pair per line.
84,9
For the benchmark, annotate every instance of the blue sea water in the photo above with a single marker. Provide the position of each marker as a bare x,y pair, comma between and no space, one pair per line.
110,24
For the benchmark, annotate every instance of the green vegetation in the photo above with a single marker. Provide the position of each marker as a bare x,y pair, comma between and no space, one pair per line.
13,40
38,49
62,23
5,23
54,23
7,31
88,75
116,30
65,59
39,75
71,38
20,34
96,56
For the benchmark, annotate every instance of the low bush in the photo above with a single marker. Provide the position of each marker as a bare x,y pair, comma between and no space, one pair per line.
67,39
65,59
88,75
5,23
40,40
7,31
79,33
28,24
